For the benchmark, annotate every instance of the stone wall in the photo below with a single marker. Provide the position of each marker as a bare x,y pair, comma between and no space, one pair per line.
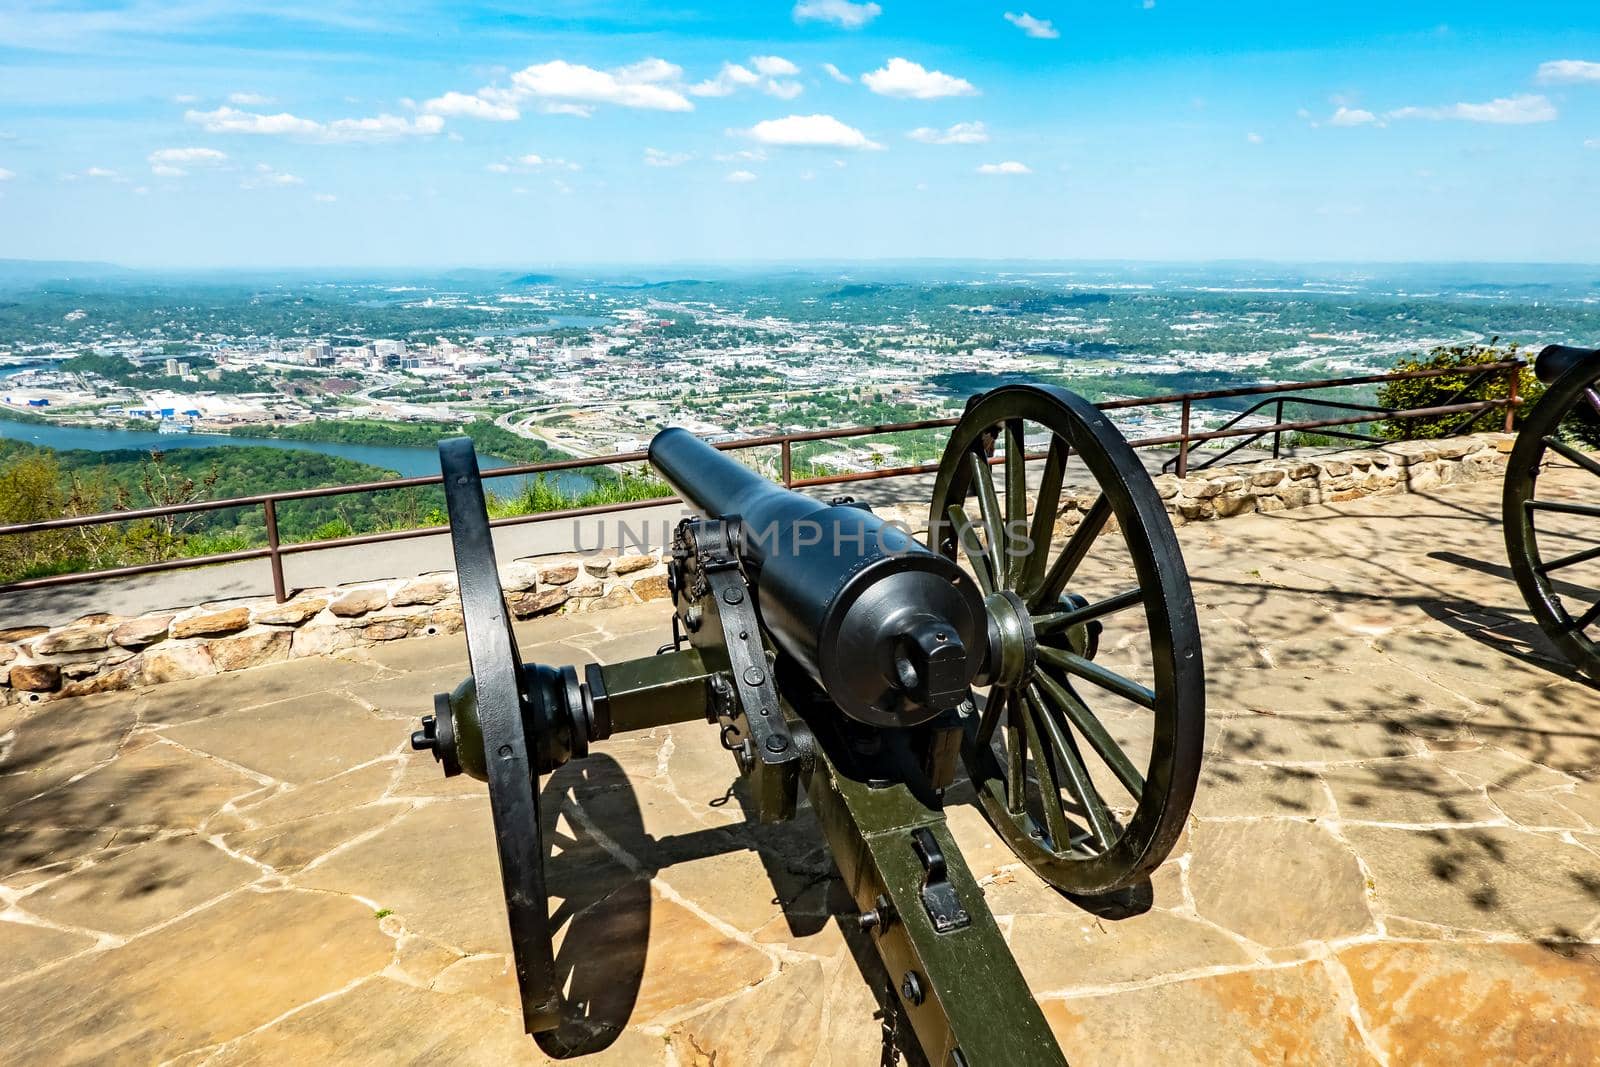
102,652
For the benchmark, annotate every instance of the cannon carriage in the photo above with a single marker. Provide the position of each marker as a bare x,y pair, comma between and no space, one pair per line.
1039,652
1550,523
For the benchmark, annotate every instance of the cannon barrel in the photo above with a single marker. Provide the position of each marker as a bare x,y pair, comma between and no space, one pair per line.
892,632
1555,360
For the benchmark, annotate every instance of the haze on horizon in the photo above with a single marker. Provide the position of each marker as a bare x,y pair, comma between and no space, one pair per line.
194,134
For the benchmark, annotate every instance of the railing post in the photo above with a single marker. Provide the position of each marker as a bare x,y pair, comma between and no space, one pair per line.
1277,435
272,549
788,464
1183,445
1511,397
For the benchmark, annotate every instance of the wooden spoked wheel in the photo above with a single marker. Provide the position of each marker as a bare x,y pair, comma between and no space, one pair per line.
1552,511
1087,749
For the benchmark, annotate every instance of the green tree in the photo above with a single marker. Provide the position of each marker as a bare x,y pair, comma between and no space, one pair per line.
1469,385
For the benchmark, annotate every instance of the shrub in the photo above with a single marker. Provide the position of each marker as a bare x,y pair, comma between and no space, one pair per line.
1443,390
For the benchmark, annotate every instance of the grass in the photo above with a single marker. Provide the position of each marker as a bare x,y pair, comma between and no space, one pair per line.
541,494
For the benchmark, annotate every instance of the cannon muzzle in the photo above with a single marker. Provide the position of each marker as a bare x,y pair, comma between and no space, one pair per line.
892,632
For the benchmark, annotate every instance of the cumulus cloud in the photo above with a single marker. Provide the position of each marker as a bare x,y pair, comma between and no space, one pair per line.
283,124
1010,166
1352,116
837,75
810,131
960,133
650,84
7,175
839,12
903,78
1561,71
246,99
770,76
655,157
266,177
739,177
1040,28
462,105
1506,111
1254,138
172,162
102,172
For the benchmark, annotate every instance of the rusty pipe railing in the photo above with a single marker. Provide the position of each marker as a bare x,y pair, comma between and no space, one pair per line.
275,549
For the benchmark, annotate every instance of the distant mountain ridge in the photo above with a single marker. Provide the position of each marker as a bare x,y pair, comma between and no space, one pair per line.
34,271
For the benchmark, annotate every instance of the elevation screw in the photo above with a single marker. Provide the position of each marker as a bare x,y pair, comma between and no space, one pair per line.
911,988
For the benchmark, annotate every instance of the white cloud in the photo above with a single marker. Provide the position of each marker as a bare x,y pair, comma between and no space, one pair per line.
498,168
1352,116
249,99
1506,111
1040,28
744,155
582,111
461,105
768,76
655,157
739,177
172,162
960,133
1558,71
837,75
774,66
185,98
1010,166
267,177
100,172
1255,138
650,84
813,131
377,128
903,78
840,12
7,175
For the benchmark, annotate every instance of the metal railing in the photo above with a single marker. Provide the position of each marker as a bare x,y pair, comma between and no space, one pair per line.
275,549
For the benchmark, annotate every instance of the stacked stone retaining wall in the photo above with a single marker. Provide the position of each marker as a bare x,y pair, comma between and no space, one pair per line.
101,652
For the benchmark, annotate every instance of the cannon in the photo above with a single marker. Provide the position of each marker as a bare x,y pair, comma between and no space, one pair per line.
1550,525
1038,654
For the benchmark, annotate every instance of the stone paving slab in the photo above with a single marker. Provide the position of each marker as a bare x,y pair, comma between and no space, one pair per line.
1394,856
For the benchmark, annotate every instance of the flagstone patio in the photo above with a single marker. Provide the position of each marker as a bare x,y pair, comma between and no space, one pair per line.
1394,856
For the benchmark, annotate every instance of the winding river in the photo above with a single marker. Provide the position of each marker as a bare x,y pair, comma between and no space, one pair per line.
407,462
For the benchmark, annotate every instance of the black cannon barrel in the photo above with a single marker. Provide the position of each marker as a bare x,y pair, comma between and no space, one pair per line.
1555,360
893,632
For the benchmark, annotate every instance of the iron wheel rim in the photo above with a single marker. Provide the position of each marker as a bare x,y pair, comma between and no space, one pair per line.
1172,631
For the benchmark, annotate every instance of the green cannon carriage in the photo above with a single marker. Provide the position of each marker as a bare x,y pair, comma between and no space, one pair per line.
1058,682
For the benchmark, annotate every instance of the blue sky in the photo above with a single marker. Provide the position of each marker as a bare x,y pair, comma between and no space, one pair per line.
202,132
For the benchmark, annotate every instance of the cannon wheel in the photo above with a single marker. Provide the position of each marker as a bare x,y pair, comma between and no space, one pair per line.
501,694
1030,744
1564,610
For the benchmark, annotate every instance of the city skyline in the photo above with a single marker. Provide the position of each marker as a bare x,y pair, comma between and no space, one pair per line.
194,135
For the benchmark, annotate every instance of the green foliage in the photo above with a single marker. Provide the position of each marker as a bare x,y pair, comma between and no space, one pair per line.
1449,389
540,494
489,439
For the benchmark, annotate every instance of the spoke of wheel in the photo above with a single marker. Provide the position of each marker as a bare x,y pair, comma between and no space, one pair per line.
1055,817
1561,506
1091,671
1103,829
1016,768
1584,621
1065,620
1016,502
1093,731
1077,547
993,520
975,555
1582,459
1044,518
991,714
1556,564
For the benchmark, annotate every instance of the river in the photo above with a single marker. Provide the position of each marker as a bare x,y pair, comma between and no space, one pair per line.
407,462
